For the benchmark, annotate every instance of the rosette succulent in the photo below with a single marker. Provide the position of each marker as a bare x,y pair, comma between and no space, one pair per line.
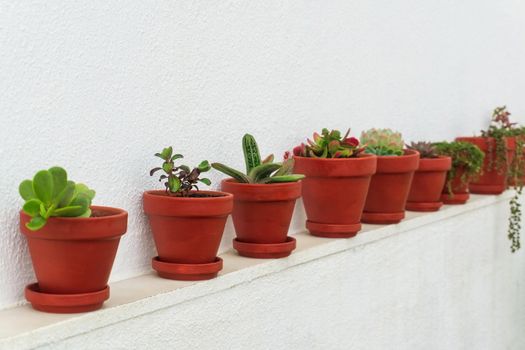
383,142
51,194
425,149
330,144
260,171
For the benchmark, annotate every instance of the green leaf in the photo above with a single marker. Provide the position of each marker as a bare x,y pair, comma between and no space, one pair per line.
252,157
262,171
205,181
86,214
166,153
26,190
65,197
70,211
284,178
36,223
59,180
185,168
32,207
236,174
176,156
204,166
83,189
173,184
286,168
43,186
167,167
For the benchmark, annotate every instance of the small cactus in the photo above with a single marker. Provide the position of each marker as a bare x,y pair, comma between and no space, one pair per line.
257,171
425,149
383,142
330,144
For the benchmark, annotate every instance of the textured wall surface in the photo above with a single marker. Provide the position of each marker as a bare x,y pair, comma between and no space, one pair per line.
98,87
448,286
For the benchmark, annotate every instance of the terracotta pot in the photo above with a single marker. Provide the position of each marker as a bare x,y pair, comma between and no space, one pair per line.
490,181
334,193
427,184
388,192
460,193
261,216
72,259
187,232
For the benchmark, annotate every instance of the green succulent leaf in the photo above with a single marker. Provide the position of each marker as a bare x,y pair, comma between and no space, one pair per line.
66,196
83,189
205,181
59,180
167,167
262,171
284,178
236,174
174,184
32,207
26,190
176,156
43,186
185,168
286,168
204,166
36,223
252,157
70,211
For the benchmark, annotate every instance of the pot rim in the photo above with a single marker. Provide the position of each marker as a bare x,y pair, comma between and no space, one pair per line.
408,162
161,193
283,191
157,204
440,163
360,158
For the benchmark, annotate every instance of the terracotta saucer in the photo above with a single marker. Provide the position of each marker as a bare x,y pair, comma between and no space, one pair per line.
65,303
265,251
332,231
187,272
382,218
423,206
457,198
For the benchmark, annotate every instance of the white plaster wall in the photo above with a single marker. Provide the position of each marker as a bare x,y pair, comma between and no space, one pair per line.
448,286
99,86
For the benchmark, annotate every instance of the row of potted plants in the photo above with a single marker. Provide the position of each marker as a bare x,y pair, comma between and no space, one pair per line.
343,181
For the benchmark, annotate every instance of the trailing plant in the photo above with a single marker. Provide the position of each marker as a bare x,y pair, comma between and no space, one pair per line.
180,180
425,149
330,144
260,171
51,194
465,156
501,127
383,142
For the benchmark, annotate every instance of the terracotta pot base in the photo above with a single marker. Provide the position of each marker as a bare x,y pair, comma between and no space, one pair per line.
486,189
265,251
186,272
423,206
65,303
457,198
382,218
332,231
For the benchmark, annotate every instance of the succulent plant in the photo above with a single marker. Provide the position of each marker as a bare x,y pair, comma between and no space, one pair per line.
180,180
425,149
383,142
330,144
260,171
50,194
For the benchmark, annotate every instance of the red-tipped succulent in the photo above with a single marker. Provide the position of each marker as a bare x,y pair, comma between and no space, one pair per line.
330,144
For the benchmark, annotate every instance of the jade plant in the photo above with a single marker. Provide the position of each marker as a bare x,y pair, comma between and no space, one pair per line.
330,144
180,180
51,194
260,171
499,129
466,157
425,149
383,142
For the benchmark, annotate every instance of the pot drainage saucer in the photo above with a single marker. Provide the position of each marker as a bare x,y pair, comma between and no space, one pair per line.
332,230
382,218
265,250
457,198
423,206
186,272
65,303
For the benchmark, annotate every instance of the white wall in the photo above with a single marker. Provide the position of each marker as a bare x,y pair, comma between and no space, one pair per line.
99,86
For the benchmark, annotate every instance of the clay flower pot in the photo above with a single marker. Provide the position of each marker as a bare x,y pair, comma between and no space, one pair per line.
334,193
427,184
490,181
261,216
460,193
187,232
72,259
389,188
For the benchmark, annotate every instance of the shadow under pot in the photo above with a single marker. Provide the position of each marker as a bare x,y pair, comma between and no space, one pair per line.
427,184
187,232
491,179
261,215
72,259
334,193
389,188
458,192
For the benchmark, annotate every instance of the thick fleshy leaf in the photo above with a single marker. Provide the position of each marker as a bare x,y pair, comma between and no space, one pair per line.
236,174
173,184
36,223
167,167
83,189
43,186
204,166
205,181
286,168
65,197
185,168
26,190
284,178
59,180
262,171
32,207
70,211
176,156
167,152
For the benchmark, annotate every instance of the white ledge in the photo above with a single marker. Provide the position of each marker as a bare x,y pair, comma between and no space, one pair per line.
24,328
